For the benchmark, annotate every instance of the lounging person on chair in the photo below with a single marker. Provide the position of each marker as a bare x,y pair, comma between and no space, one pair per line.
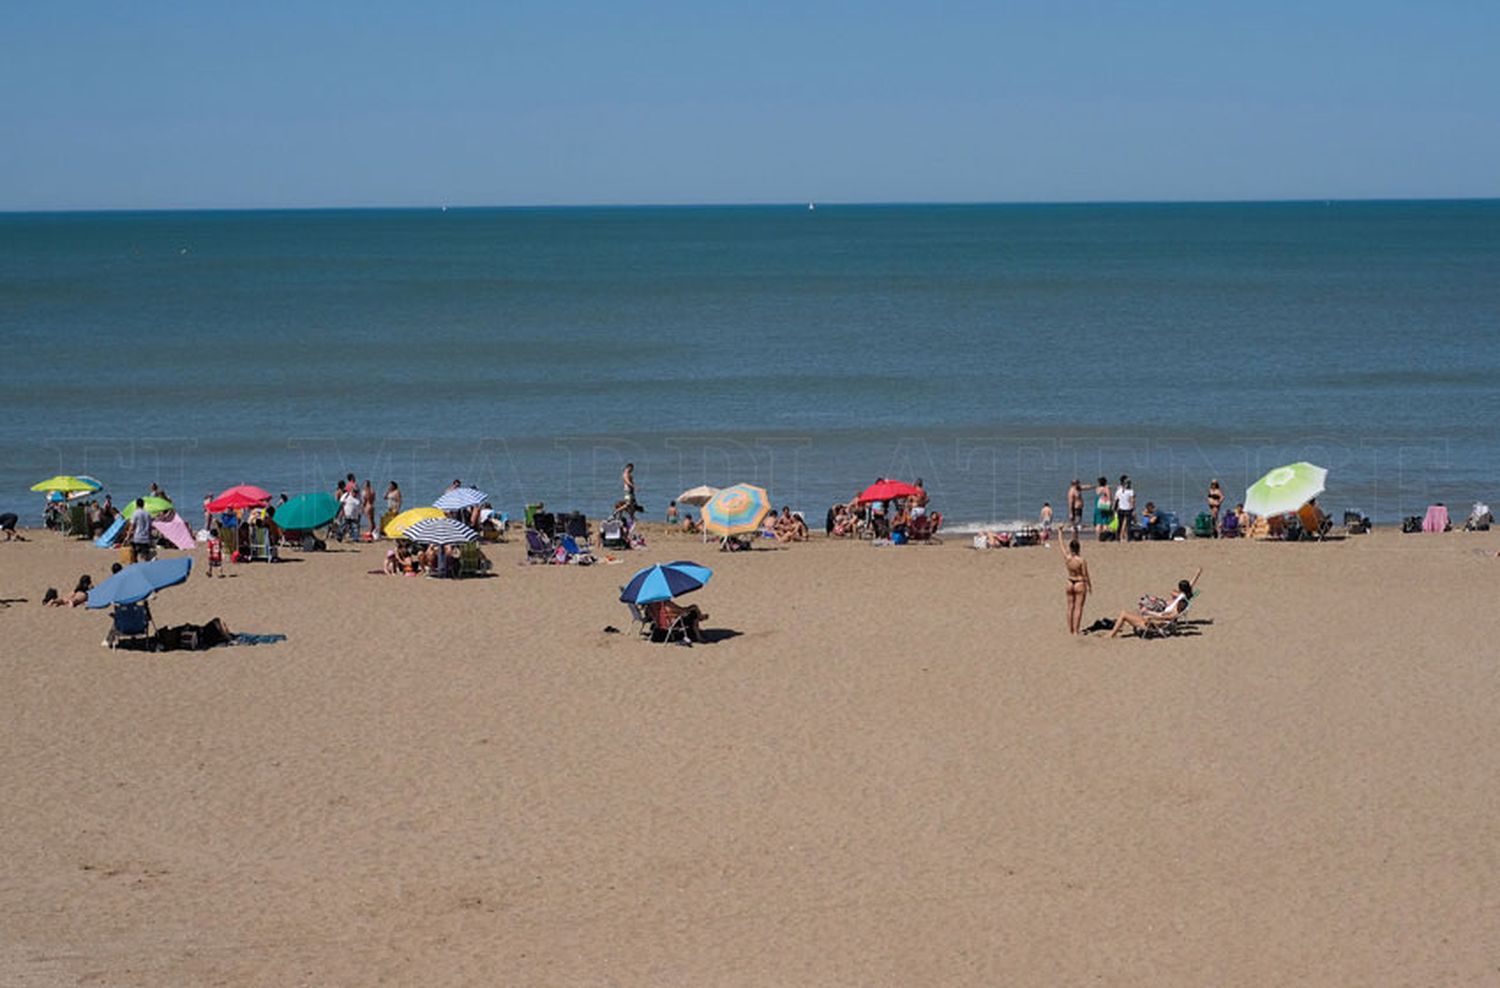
665,614
1148,616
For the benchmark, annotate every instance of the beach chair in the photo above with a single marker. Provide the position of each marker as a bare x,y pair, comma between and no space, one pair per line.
1171,626
130,622
923,528
1203,526
641,619
578,527
1229,526
1313,523
612,534
539,548
76,523
468,560
260,544
662,628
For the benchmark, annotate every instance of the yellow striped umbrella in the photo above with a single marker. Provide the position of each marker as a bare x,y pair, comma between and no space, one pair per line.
736,510
397,526
66,484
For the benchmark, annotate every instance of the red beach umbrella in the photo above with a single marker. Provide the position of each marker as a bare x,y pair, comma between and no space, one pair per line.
240,496
884,490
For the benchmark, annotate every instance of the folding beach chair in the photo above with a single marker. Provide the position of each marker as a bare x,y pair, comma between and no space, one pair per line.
1171,626
229,535
130,622
469,563
1203,525
260,544
642,620
539,548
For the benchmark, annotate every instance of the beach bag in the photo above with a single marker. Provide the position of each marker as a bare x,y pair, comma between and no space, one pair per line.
1411,524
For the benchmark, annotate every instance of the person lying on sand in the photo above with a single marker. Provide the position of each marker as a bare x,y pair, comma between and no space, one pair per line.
77,598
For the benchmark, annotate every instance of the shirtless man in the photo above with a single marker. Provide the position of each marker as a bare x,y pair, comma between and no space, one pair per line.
1075,504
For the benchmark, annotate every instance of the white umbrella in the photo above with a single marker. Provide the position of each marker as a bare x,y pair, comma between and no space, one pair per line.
1285,489
697,496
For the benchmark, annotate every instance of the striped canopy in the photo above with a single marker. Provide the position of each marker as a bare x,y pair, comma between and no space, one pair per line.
398,525
440,531
664,581
460,497
736,510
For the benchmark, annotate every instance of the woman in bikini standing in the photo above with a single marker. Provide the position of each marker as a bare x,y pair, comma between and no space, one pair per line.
1079,583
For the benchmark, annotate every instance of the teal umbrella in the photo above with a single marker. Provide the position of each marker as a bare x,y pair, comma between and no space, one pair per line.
307,511
1285,489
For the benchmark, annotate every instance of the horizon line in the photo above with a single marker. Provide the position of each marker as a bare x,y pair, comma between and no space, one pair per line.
766,204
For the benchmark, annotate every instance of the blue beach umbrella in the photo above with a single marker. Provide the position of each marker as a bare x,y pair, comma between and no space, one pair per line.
140,581
460,498
664,581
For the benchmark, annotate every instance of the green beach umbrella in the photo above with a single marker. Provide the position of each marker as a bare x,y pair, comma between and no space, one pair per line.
1285,489
154,505
306,512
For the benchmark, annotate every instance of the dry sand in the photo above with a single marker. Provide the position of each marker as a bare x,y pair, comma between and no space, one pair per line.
898,771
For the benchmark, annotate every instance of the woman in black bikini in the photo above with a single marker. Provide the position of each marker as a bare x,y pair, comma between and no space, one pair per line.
1079,583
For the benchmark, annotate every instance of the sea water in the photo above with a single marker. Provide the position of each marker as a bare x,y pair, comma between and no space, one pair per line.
997,352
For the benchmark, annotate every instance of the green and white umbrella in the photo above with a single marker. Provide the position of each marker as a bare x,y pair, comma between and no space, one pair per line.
1285,489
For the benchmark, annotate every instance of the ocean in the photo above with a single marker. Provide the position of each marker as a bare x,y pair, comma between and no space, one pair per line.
997,352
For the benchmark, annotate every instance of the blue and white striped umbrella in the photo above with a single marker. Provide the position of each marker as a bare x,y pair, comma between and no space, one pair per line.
459,498
664,581
440,531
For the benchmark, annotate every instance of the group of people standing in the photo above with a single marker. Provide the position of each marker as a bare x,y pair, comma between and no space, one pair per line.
1115,511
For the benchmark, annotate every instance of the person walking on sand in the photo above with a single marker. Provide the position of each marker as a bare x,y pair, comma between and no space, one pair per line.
627,484
1125,507
1079,583
1044,522
1215,502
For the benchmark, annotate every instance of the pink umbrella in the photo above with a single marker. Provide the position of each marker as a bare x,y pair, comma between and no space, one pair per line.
240,496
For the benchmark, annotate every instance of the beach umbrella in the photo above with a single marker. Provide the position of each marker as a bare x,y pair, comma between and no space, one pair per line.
240,496
154,505
306,512
1285,489
460,498
397,526
697,496
885,490
175,531
65,484
736,510
664,581
140,581
440,531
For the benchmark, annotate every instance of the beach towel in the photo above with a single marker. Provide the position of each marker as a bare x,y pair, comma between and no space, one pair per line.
175,531
1436,519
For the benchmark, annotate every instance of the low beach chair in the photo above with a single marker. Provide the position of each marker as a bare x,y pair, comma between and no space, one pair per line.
260,544
1203,526
1313,523
1167,627
229,538
642,620
130,622
539,548
924,528
612,534
1229,526
468,560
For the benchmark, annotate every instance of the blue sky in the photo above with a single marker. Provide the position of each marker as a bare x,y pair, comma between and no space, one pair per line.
146,105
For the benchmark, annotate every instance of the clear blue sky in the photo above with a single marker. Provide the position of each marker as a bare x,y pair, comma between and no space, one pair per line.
190,104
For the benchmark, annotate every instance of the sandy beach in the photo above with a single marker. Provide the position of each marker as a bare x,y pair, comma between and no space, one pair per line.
892,767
